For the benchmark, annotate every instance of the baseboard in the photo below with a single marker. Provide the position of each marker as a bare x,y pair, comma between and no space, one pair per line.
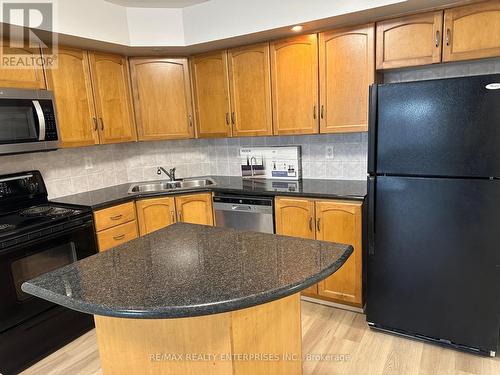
332,304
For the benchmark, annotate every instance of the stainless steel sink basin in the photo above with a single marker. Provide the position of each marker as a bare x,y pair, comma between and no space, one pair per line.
159,186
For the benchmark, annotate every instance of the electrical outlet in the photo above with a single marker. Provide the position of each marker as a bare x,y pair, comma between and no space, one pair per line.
88,162
329,153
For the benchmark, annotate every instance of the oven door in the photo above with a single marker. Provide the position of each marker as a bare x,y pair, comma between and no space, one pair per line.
31,259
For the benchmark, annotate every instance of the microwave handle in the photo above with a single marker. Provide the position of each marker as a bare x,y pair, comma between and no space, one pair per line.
41,119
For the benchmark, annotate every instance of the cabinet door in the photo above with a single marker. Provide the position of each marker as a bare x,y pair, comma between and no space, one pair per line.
294,73
340,222
195,208
347,69
110,78
162,98
472,31
295,217
250,87
154,214
211,95
32,78
71,83
409,41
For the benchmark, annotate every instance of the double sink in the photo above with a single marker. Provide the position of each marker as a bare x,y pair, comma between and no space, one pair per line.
165,186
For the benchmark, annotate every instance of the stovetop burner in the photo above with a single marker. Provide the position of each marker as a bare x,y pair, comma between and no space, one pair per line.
47,211
6,227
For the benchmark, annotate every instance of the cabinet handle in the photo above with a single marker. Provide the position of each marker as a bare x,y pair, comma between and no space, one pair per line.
448,34
437,38
322,111
102,123
118,238
179,215
117,217
311,224
314,112
95,123
190,121
318,225
232,117
227,118
172,214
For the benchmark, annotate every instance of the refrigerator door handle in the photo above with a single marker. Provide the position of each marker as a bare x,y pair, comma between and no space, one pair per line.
371,215
372,129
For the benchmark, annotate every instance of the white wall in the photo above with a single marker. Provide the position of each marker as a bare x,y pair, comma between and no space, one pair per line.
155,27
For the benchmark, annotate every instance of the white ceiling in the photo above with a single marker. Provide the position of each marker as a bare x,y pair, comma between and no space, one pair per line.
156,3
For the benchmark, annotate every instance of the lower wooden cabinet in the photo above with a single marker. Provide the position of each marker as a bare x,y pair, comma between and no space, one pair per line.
115,236
115,225
157,213
327,220
195,208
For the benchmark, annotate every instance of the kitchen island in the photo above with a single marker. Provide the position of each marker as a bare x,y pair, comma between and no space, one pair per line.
196,299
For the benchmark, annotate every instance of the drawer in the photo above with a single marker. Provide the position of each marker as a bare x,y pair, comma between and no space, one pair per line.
117,235
113,216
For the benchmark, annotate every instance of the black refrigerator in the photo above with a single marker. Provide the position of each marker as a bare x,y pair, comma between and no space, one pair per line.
433,269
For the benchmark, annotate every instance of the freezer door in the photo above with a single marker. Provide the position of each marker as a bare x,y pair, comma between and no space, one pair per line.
434,269
448,127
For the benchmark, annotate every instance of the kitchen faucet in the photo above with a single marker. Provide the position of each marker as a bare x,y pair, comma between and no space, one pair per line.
170,173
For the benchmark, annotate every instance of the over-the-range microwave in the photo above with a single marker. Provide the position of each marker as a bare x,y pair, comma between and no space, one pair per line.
27,121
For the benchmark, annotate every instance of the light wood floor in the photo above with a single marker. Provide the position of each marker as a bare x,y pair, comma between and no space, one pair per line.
326,330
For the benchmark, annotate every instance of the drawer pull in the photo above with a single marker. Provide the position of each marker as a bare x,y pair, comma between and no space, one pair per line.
117,217
118,238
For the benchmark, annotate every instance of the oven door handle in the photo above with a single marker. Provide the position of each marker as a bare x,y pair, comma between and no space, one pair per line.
41,119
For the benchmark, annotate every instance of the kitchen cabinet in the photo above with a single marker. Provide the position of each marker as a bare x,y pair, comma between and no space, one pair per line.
211,95
472,31
250,89
195,208
32,78
346,70
112,98
71,83
294,73
154,214
327,220
92,94
409,41
115,225
162,98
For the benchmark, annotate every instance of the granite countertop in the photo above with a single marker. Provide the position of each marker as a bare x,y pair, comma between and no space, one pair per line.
188,270
339,189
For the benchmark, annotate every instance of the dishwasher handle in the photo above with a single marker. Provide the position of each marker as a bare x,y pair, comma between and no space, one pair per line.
239,207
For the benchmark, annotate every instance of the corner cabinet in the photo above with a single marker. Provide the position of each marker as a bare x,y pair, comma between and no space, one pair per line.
327,220
346,70
92,93
294,72
211,95
472,31
410,41
162,98
32,78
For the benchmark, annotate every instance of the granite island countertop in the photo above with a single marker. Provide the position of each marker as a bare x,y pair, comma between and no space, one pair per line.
188,270
308,188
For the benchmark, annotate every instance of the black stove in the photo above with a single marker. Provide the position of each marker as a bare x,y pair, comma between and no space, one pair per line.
37,236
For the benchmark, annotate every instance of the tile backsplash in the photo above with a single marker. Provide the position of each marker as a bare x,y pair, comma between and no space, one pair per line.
71,171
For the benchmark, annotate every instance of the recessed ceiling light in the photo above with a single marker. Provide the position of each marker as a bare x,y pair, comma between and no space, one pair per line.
297,28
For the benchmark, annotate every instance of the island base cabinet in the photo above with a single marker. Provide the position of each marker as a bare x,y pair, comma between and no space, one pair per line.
211,344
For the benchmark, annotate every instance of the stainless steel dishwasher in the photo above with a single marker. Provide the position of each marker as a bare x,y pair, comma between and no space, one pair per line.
244,212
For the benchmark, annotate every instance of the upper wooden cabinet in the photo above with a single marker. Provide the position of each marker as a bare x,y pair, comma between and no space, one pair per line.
294,73
32,78
341,222
162,98
154,214
111,84
472,31
346,70
211,95
250,88
195,208
72,86
409,41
